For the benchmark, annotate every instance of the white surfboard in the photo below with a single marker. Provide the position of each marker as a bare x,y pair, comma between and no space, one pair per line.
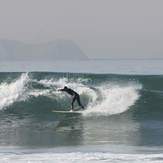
69,112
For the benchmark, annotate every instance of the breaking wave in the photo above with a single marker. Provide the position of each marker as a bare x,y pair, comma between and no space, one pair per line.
14,91
100,98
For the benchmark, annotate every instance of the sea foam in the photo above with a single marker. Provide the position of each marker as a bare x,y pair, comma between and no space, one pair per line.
11,92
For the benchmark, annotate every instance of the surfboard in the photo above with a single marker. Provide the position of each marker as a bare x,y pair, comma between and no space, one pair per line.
69,112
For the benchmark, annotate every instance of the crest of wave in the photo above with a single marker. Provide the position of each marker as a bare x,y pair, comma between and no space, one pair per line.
76,85
11,92
115,99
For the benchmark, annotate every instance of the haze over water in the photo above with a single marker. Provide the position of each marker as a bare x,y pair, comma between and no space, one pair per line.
117,66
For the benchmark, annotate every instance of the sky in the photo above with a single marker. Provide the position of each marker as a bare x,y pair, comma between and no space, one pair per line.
102,28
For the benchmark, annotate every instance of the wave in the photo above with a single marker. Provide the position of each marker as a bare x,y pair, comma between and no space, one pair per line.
105,98
116,99
82,157
11,92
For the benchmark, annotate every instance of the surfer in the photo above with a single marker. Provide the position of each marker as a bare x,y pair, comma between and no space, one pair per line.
75,96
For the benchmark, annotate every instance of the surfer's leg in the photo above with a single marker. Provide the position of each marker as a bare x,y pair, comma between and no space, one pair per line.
79,103
72,103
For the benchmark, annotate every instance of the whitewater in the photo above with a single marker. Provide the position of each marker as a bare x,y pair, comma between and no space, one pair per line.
81,157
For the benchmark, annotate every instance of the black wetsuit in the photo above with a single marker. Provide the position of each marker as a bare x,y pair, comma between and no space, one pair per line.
75,96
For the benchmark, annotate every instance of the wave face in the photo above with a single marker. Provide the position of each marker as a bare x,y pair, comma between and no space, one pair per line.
37,92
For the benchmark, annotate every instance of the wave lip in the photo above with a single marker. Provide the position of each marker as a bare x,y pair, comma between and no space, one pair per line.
9,93
116,99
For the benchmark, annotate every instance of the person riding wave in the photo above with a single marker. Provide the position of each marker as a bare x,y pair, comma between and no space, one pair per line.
75,96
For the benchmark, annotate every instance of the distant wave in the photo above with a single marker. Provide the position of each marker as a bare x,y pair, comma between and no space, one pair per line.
82,157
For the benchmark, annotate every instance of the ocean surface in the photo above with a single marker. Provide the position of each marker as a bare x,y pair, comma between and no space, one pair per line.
122,122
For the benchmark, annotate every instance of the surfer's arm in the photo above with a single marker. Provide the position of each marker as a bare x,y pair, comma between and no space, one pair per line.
60,89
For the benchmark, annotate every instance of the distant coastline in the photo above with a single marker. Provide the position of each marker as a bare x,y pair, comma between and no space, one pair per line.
125,59
11,50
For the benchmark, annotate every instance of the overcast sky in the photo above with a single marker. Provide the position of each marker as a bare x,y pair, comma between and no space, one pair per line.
102,28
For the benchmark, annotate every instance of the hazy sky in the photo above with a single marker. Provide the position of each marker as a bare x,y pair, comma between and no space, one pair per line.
102,28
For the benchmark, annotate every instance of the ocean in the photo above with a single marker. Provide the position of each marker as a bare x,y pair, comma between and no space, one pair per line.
122,122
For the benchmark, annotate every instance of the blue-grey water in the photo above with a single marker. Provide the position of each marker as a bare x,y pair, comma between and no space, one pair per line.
122,122
108,66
